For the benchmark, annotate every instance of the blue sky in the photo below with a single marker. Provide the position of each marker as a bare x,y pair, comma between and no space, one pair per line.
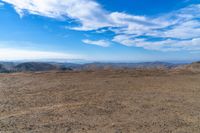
100,30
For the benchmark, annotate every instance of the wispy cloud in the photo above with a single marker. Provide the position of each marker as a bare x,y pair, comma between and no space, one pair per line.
102,43
17,54
163,45
1,4
87,12
18,50
178,30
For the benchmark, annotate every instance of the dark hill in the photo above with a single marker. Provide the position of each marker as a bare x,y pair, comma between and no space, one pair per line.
35,66
2,69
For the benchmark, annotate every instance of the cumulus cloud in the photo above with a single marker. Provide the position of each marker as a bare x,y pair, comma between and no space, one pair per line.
102,43
175,29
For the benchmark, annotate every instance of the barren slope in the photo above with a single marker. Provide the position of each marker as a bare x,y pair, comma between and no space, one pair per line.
100,102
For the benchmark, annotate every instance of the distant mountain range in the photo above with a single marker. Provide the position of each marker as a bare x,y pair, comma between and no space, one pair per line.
144,65
7,67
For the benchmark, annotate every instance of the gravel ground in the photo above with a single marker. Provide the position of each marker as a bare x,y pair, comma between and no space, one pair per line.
100,102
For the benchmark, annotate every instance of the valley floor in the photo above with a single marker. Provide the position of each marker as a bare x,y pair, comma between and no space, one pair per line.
100,102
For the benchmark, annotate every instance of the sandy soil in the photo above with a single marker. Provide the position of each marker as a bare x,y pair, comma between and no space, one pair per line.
100,102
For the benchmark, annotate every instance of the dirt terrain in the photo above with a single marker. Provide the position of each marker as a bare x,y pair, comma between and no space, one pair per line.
121,101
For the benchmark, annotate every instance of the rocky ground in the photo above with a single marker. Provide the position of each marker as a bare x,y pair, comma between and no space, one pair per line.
100,102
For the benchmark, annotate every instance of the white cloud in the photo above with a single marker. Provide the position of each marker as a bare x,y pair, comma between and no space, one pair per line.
164,45
178,30
186,30
127,40
16,54
178,24
102,43
87,12
181,26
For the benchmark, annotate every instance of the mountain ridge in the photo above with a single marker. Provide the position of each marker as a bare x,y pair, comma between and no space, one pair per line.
6,67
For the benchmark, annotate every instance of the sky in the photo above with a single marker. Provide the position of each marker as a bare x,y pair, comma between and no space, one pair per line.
100,30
